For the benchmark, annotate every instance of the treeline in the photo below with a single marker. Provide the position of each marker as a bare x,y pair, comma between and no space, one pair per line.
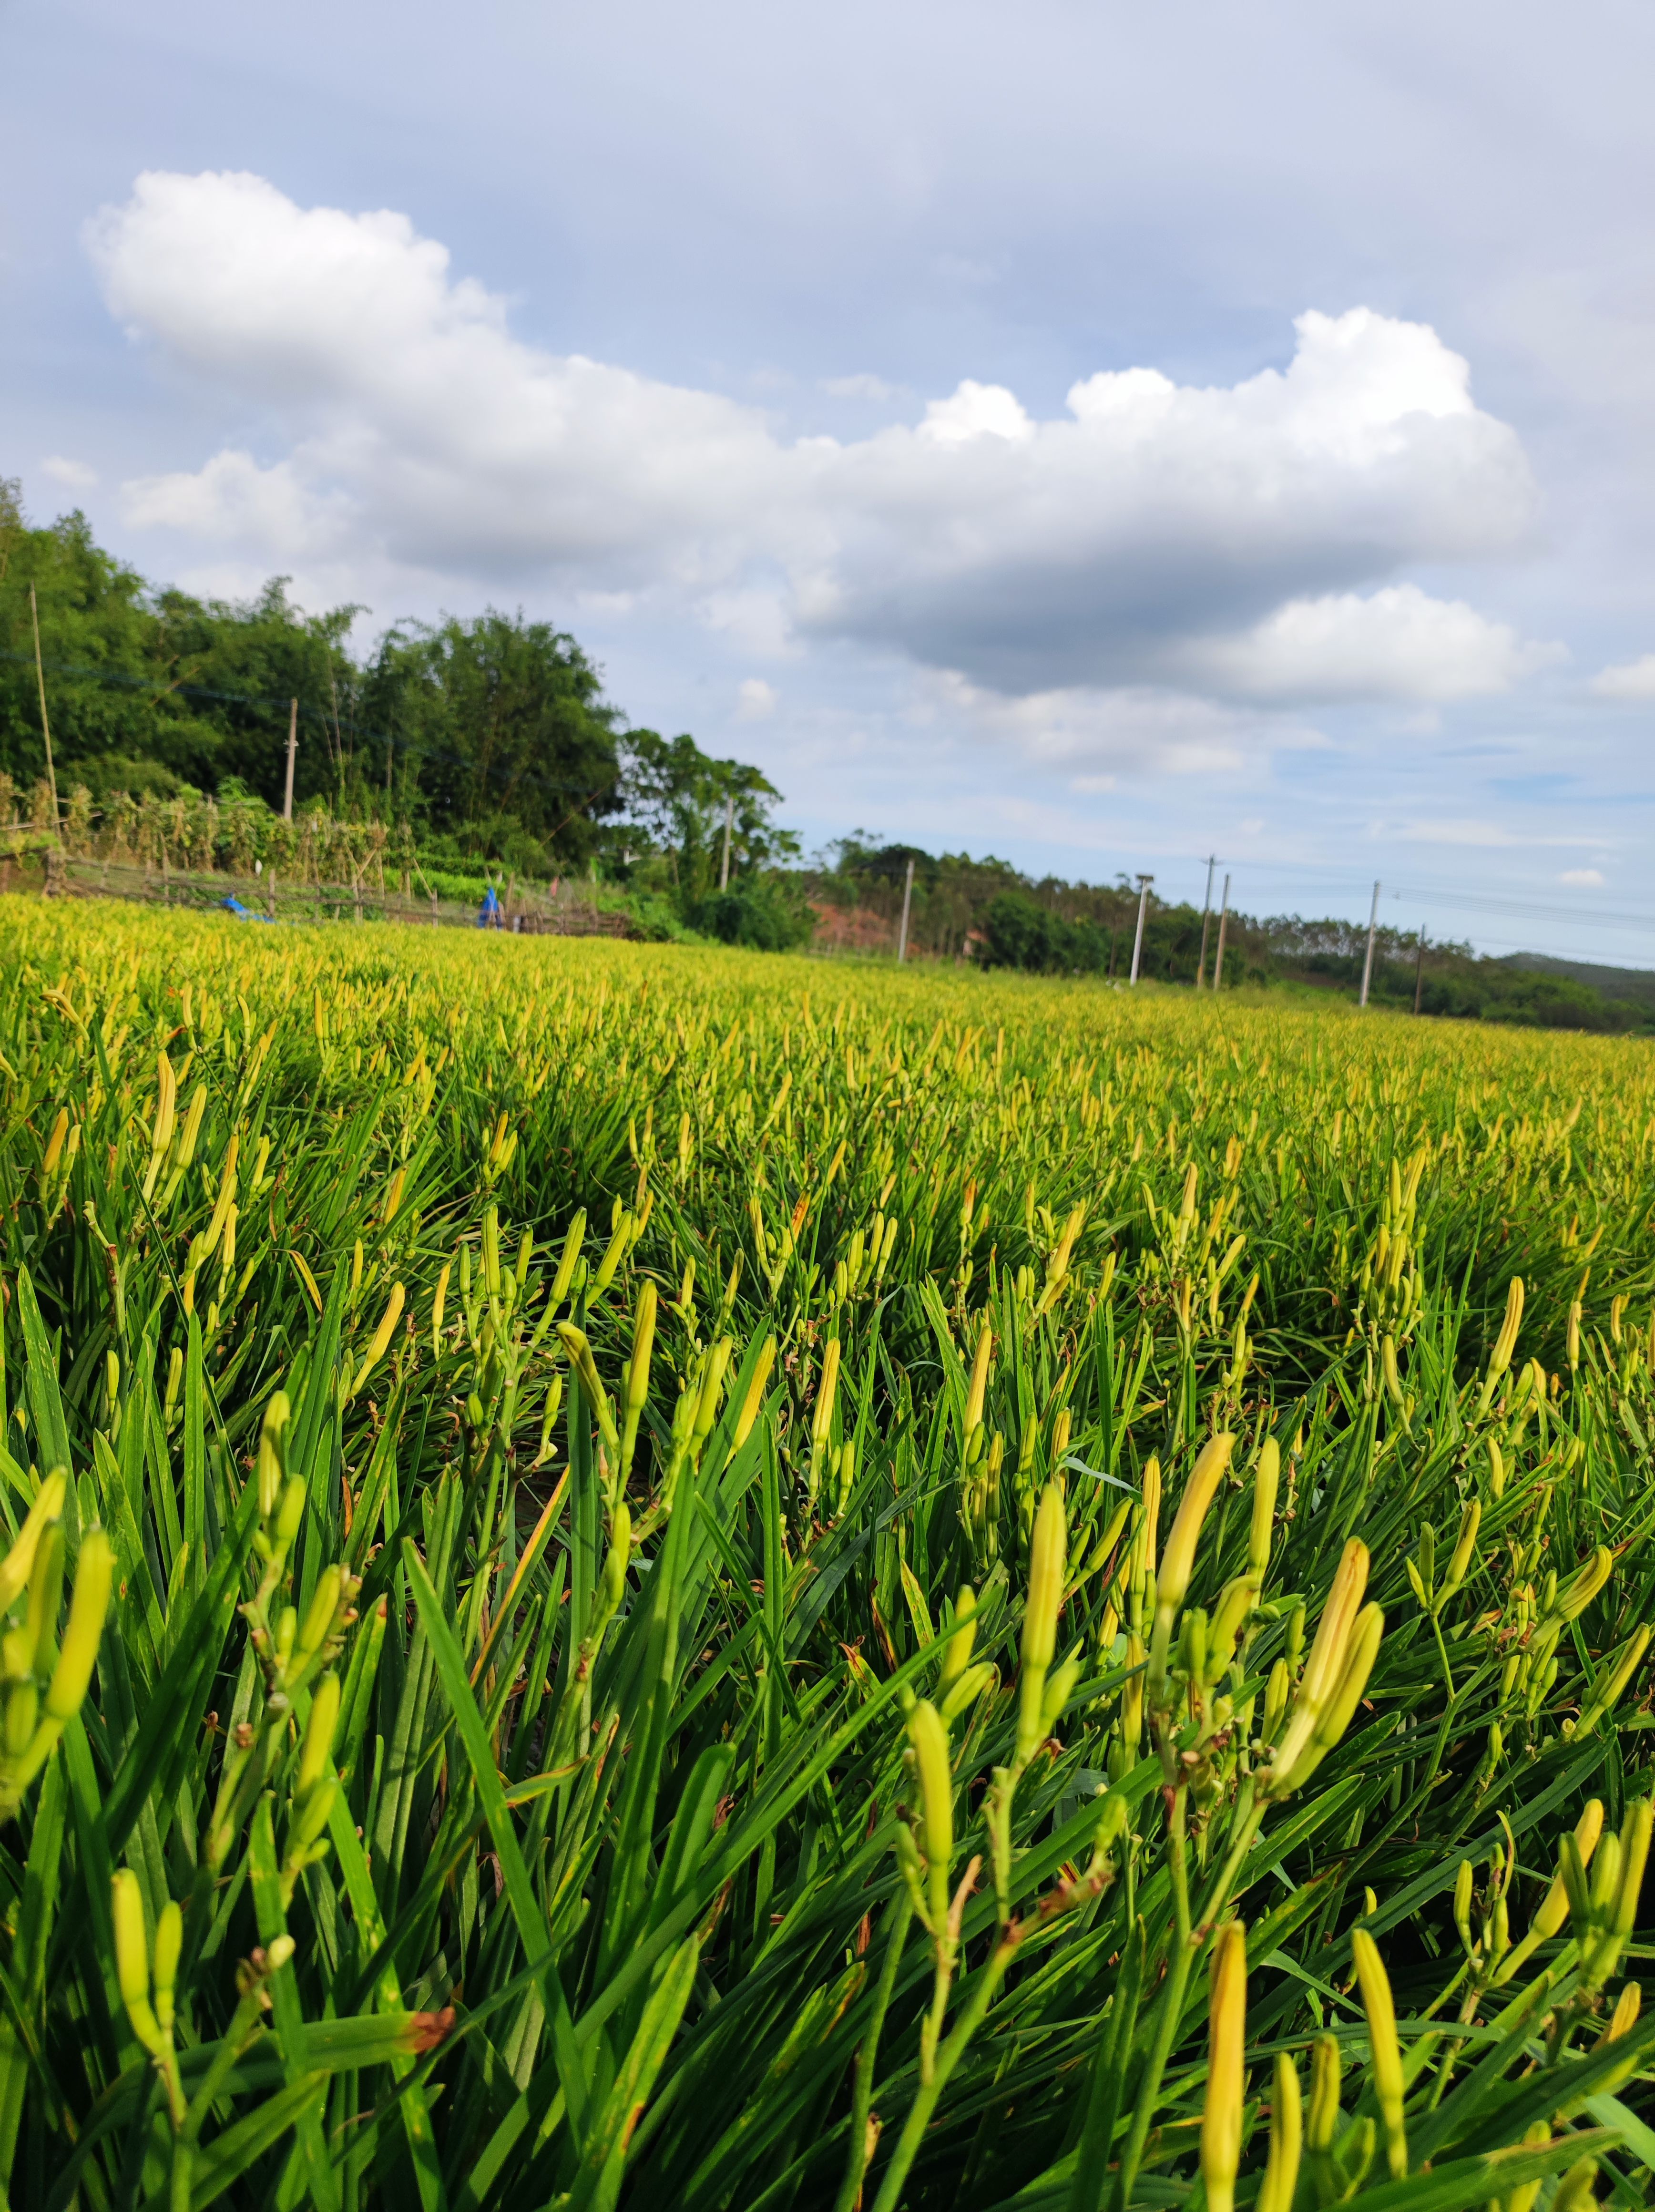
487,741
988,911
487,738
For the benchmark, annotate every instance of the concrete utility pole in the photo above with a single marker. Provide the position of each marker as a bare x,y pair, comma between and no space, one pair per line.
907,901
1419,969
1223,924
46,726
729,815
293,747
1367,964
1206,912
1143,884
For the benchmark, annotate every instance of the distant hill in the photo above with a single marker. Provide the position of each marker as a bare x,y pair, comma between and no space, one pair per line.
1634,985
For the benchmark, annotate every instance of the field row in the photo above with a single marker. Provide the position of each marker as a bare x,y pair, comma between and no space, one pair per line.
742,1585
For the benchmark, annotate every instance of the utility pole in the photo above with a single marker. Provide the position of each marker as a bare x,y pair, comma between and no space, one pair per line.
1143,884
907,901
1206,912
46,725
1367,964
729,815
293,747
1419,969
1223,924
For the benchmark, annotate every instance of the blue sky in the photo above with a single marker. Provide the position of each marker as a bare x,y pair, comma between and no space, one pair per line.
1098,435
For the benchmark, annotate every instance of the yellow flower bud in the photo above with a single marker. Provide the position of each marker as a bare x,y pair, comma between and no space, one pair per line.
291,1513
45,1590
271,1463
1221,2114
1505,1342
931,1754
822,1419
1387,2053
1469,1522
566,1265
1322,2124
19,1562
978,1391
169,1941
754,1398
956,1644
1177,1560
713,1383
967,1688
1048,1556
1326,1666
317,1749
439,1301
131,1941
1266,1477
1281,2181
615,1567
1577,1593
643,1347
319,1617
381,1337
71,1678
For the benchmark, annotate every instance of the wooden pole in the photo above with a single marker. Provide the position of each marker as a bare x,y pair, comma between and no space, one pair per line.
729,818
907,901
45,724
293,747
1206,915
1144,882
1223,925
1367,964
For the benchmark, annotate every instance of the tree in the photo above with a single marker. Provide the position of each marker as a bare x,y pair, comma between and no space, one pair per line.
677,796
498,724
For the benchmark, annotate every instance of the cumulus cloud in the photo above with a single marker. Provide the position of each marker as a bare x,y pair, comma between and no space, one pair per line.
1589,878
1395,643
77,475
1629,680
1449,830
1240,542
755,700
1079,731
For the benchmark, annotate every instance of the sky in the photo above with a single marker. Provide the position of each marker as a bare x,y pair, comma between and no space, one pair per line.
1101,436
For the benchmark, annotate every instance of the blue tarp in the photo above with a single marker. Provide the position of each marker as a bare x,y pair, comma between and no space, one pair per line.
488,913
232,905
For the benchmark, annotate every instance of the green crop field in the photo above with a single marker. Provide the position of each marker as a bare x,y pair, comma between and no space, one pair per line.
647,1577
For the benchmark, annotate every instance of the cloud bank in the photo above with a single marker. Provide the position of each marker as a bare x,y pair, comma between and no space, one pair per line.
1245,546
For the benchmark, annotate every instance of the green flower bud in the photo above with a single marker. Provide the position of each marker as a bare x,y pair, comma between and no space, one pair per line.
93,1572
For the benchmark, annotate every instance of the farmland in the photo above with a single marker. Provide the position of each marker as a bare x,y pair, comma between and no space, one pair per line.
734,1583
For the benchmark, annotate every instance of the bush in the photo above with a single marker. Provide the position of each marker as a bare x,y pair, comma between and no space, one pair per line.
1016,934
759,914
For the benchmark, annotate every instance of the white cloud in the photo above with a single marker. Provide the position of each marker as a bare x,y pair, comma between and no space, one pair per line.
1094,735
1397,643
862,386
76,475
1591,878
1240,542
755,700
1629,680
1470,829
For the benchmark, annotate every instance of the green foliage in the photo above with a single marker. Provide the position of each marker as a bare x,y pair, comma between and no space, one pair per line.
499,724
1016,932
765,913
549,1406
